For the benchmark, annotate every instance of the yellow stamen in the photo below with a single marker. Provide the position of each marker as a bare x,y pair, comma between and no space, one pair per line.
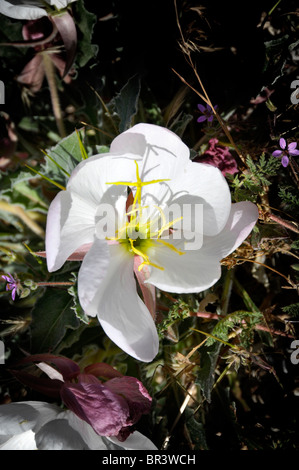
143,228
169,245
138,184
144,256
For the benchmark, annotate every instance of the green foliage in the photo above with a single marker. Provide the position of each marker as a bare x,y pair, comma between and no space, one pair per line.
52,316
252,182
196,430
205,377
178,312
125,103
292,310
73,291
289,198
61,159
246,320
85,22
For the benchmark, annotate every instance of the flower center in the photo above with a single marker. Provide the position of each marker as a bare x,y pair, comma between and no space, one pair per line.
138,235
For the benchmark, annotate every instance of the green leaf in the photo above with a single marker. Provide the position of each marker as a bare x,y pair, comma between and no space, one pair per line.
196,430
206,374
63,158
244,318
276,52
52,315
292,310
126,102
180,123
85,22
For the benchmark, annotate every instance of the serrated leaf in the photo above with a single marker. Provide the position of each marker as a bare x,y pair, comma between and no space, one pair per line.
196,430
85,22
206,374
52,315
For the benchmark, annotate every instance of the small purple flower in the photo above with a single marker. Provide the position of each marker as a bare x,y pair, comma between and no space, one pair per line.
285,151
12,285
207,113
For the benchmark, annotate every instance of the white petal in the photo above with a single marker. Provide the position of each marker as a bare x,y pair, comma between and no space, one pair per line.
24,441
90,437
136,441
50,371
59,435
242,219
70,224
193,271
23,11
91,177
16,418
160,154
197,270
161,150
60,3
203,184
121,312
92,273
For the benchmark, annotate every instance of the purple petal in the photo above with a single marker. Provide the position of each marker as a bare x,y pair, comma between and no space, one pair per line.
282,143
105,411
136,395
201,108
294,152
13,293
9,278
210,118
33,74
277,153
201,118
292,146
285,161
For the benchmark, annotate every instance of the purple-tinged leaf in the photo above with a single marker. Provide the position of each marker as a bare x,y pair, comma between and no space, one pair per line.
48,387
100,369
68,368
67,30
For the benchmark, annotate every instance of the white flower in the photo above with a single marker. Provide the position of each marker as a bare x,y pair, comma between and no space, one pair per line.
30,9
36,425
154,163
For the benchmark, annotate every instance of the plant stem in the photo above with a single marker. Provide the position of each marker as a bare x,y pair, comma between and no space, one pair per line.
54,284
50,75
